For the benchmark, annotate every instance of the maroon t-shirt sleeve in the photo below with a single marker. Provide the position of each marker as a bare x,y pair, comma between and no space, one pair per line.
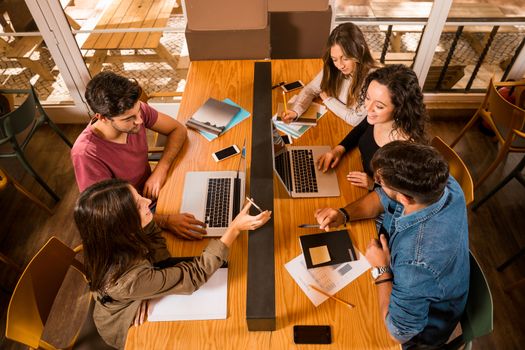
149,115
89,170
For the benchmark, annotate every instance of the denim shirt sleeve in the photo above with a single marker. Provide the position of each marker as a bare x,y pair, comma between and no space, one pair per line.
385,200
413,289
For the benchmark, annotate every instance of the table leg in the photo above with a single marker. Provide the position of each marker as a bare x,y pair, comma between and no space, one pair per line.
166,55
36,68
96,61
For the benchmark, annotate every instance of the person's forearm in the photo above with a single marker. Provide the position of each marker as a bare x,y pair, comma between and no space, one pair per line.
383,291
174,143
229,236
368,207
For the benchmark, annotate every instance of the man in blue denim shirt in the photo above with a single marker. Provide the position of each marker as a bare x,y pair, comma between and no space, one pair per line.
421,262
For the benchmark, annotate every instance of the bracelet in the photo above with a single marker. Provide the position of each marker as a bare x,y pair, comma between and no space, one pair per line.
345,215
390,279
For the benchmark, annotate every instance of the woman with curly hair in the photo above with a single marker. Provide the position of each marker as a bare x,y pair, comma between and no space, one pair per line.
396,111
346,62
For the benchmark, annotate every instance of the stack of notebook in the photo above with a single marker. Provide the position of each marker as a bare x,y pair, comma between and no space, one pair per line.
213,116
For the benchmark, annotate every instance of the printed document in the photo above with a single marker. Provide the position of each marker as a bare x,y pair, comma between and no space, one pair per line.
330,278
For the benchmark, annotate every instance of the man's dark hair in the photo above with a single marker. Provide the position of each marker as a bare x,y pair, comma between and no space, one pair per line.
110,94
415,170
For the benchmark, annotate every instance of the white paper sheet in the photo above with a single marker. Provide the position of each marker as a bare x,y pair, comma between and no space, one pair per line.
208,303
329,278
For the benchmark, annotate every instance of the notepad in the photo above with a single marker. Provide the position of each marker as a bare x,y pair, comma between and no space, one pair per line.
327,248
207,303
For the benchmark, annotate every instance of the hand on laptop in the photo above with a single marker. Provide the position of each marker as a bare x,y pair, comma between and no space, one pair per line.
244,221
183,225
330,159
328,217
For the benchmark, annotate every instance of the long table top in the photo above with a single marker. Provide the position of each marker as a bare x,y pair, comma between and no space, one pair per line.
360,327
132,14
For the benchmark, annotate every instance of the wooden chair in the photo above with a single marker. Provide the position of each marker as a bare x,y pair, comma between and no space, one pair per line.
504,119
514,174
22,123
33,300
35,294
478,318
457,167
4,181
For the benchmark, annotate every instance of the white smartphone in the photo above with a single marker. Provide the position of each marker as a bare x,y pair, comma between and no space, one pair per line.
225,153
292,86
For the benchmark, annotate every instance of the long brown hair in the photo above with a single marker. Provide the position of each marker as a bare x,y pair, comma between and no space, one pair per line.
352,41
107,217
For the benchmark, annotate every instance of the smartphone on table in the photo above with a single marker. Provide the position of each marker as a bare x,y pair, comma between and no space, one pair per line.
224,153
292,86
312,334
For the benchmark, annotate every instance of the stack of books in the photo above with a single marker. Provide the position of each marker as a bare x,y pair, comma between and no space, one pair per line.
304,122
213,116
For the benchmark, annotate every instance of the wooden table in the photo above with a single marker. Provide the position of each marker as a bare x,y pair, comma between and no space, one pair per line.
132,14
360,327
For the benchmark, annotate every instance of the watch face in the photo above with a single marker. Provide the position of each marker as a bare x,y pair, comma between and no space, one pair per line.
375,272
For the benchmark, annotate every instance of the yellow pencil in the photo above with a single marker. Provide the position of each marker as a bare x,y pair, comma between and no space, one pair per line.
285,103
351,306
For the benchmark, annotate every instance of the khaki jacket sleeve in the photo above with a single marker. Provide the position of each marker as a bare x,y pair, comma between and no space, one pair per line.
145,282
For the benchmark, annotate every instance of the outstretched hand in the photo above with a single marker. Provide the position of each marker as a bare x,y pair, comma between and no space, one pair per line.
244,221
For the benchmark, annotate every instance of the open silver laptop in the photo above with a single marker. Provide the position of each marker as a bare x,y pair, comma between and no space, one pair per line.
214,197
295,167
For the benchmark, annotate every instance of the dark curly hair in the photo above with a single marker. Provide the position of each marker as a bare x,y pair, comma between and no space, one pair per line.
352,41
410,114
416,170
110,94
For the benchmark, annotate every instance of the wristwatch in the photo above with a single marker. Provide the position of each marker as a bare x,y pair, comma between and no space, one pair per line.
378,271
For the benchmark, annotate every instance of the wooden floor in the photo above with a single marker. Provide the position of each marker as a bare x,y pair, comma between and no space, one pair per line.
496,229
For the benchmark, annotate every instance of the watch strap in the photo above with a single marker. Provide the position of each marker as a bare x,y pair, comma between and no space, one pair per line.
345,215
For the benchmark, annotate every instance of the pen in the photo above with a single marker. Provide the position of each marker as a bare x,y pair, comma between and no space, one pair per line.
255,205
309,226
285,103
279,84
331,296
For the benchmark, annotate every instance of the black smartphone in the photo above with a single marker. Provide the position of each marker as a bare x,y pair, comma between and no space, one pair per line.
287,139
292,86
312,335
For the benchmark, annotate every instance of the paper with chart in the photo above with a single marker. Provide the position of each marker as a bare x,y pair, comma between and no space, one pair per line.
208,303
331,278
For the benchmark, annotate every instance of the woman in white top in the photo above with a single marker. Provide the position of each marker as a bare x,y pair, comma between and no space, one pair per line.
347,62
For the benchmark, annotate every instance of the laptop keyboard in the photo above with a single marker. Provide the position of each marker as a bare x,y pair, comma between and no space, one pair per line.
304,171
218,202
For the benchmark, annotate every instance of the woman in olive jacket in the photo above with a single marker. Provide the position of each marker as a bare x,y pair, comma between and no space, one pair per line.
125,256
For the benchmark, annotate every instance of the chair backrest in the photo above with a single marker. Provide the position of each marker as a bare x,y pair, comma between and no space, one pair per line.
504,115
477,319
20,118
36,290
457,167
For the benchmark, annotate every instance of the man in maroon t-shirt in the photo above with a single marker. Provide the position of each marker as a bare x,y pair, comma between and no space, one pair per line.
114,145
